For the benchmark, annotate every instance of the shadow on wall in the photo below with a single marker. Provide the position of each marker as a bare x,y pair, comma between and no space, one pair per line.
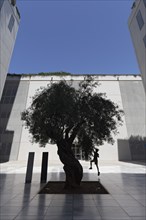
132,149
6,106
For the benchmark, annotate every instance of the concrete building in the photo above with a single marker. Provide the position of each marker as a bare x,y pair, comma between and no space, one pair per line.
137,27
9,23
17,96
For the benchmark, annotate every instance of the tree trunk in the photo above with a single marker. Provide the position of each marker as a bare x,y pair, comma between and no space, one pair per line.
72,167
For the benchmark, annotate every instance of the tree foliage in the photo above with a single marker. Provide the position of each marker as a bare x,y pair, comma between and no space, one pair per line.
79,116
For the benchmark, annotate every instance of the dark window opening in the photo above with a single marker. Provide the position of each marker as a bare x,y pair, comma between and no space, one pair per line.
13,2
1,3
140,20
11,23
5,114
144,40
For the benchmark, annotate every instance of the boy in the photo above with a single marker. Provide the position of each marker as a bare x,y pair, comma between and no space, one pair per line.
95,160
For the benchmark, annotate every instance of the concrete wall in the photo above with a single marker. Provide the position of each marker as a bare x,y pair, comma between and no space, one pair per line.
119,89
7,38
138,35
108,84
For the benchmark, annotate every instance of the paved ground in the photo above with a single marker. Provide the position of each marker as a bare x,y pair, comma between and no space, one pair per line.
126,183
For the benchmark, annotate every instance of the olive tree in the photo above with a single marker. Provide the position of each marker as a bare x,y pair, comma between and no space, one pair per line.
62,115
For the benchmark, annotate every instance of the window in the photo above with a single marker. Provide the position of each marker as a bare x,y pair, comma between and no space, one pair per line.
9,91
5,148
139,20
14,91
144,2
78,153
9,94
7,100
1,3
144,40
13,2
11,23
11,100
1,130
5,114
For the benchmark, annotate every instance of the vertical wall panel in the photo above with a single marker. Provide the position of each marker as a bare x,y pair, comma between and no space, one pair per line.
12,104
133,98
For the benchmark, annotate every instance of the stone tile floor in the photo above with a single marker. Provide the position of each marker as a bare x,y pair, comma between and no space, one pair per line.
125,182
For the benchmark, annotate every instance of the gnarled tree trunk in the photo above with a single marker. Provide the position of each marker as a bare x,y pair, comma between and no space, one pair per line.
72,167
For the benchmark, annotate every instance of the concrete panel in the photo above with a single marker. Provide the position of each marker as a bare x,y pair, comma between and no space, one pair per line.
138,148
124,153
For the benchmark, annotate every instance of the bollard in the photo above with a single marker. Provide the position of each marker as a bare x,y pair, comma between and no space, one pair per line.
29,167
44,167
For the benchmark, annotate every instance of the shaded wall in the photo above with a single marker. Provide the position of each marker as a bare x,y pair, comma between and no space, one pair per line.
12,104
133,99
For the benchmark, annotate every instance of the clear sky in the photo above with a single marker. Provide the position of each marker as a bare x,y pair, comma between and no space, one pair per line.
74,36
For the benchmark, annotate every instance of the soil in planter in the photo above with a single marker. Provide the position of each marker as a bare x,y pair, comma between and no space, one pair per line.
86,187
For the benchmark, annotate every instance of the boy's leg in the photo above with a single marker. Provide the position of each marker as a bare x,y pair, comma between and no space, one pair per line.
97,168
90,164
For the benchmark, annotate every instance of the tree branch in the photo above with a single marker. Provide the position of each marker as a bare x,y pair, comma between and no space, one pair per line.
75,131
67,130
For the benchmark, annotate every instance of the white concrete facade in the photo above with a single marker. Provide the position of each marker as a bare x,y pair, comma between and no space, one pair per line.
137,27
18,92
9,23
108,85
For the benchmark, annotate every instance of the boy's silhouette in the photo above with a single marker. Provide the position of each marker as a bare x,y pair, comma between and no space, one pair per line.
95,160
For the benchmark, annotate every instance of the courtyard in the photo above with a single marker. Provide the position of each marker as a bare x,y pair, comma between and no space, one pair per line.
125,182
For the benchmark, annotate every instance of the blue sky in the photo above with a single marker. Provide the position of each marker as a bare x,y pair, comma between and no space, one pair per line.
74,36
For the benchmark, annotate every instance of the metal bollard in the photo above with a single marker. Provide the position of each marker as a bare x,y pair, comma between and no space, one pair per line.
29,167
44,167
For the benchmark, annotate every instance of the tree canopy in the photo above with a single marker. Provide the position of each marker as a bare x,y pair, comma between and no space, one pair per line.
77,115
